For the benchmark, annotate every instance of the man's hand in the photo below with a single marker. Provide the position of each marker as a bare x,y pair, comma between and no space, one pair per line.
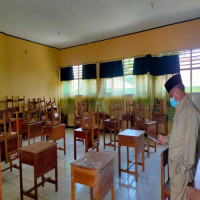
161,139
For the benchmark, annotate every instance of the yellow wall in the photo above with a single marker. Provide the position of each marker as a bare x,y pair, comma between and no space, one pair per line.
28,69
3,85
174,37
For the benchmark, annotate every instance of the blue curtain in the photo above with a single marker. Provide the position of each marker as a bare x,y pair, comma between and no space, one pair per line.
111,69
165,65
157,66
89,71
66,74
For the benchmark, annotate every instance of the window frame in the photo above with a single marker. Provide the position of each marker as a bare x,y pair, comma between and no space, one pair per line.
78,75
190,68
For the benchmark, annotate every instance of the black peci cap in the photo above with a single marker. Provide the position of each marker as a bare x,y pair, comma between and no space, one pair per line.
173,81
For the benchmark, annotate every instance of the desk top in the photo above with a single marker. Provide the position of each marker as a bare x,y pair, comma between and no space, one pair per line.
31,123
93,160
147,123
131,132
112,119
38,147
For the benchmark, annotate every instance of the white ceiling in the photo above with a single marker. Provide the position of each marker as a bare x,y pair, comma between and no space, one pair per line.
66,23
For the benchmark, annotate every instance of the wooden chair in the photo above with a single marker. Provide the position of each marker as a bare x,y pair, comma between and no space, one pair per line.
51,102
42,104
89,131
165,184
53,129
10,141
157,107
142,113
30,115
114,123
15,105
52,116
32,126
129,113
78,112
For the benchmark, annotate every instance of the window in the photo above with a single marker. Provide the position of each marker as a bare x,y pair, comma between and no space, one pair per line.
190,69
129,79
77,70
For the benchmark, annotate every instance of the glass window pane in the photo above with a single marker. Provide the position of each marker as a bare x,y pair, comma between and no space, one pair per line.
185,74
130,84
196,80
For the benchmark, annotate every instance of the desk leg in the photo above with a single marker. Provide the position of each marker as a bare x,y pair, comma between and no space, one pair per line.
29,135
127,152
21,181
115,132
86,143
104,139
96,194
143,161
112,193
91,193
74,146
148,141
42,180
119,159
35,185
64,143
72,190
56,175
136,167
10,166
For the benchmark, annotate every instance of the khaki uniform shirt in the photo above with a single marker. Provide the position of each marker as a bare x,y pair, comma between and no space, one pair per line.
184,147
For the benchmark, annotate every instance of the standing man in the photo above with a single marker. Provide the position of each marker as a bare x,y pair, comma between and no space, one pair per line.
184,141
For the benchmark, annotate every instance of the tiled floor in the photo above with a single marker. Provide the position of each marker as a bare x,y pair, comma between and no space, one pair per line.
126,188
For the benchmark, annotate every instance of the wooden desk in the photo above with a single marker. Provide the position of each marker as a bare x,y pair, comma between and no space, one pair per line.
193,189
161,119
150,129
129,117
55,133
43,157
111,124
96,170
135,139
32,130
79,133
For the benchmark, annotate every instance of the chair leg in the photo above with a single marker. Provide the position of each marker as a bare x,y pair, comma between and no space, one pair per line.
10,166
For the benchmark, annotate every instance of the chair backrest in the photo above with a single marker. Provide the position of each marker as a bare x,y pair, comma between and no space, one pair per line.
142,113
12,141
130,107
164,163
13,105
52,116
32,114
82,107
89,122
52,102
158,107
99,106
116,110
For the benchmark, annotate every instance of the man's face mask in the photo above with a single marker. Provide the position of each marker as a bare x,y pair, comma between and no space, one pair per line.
173,102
